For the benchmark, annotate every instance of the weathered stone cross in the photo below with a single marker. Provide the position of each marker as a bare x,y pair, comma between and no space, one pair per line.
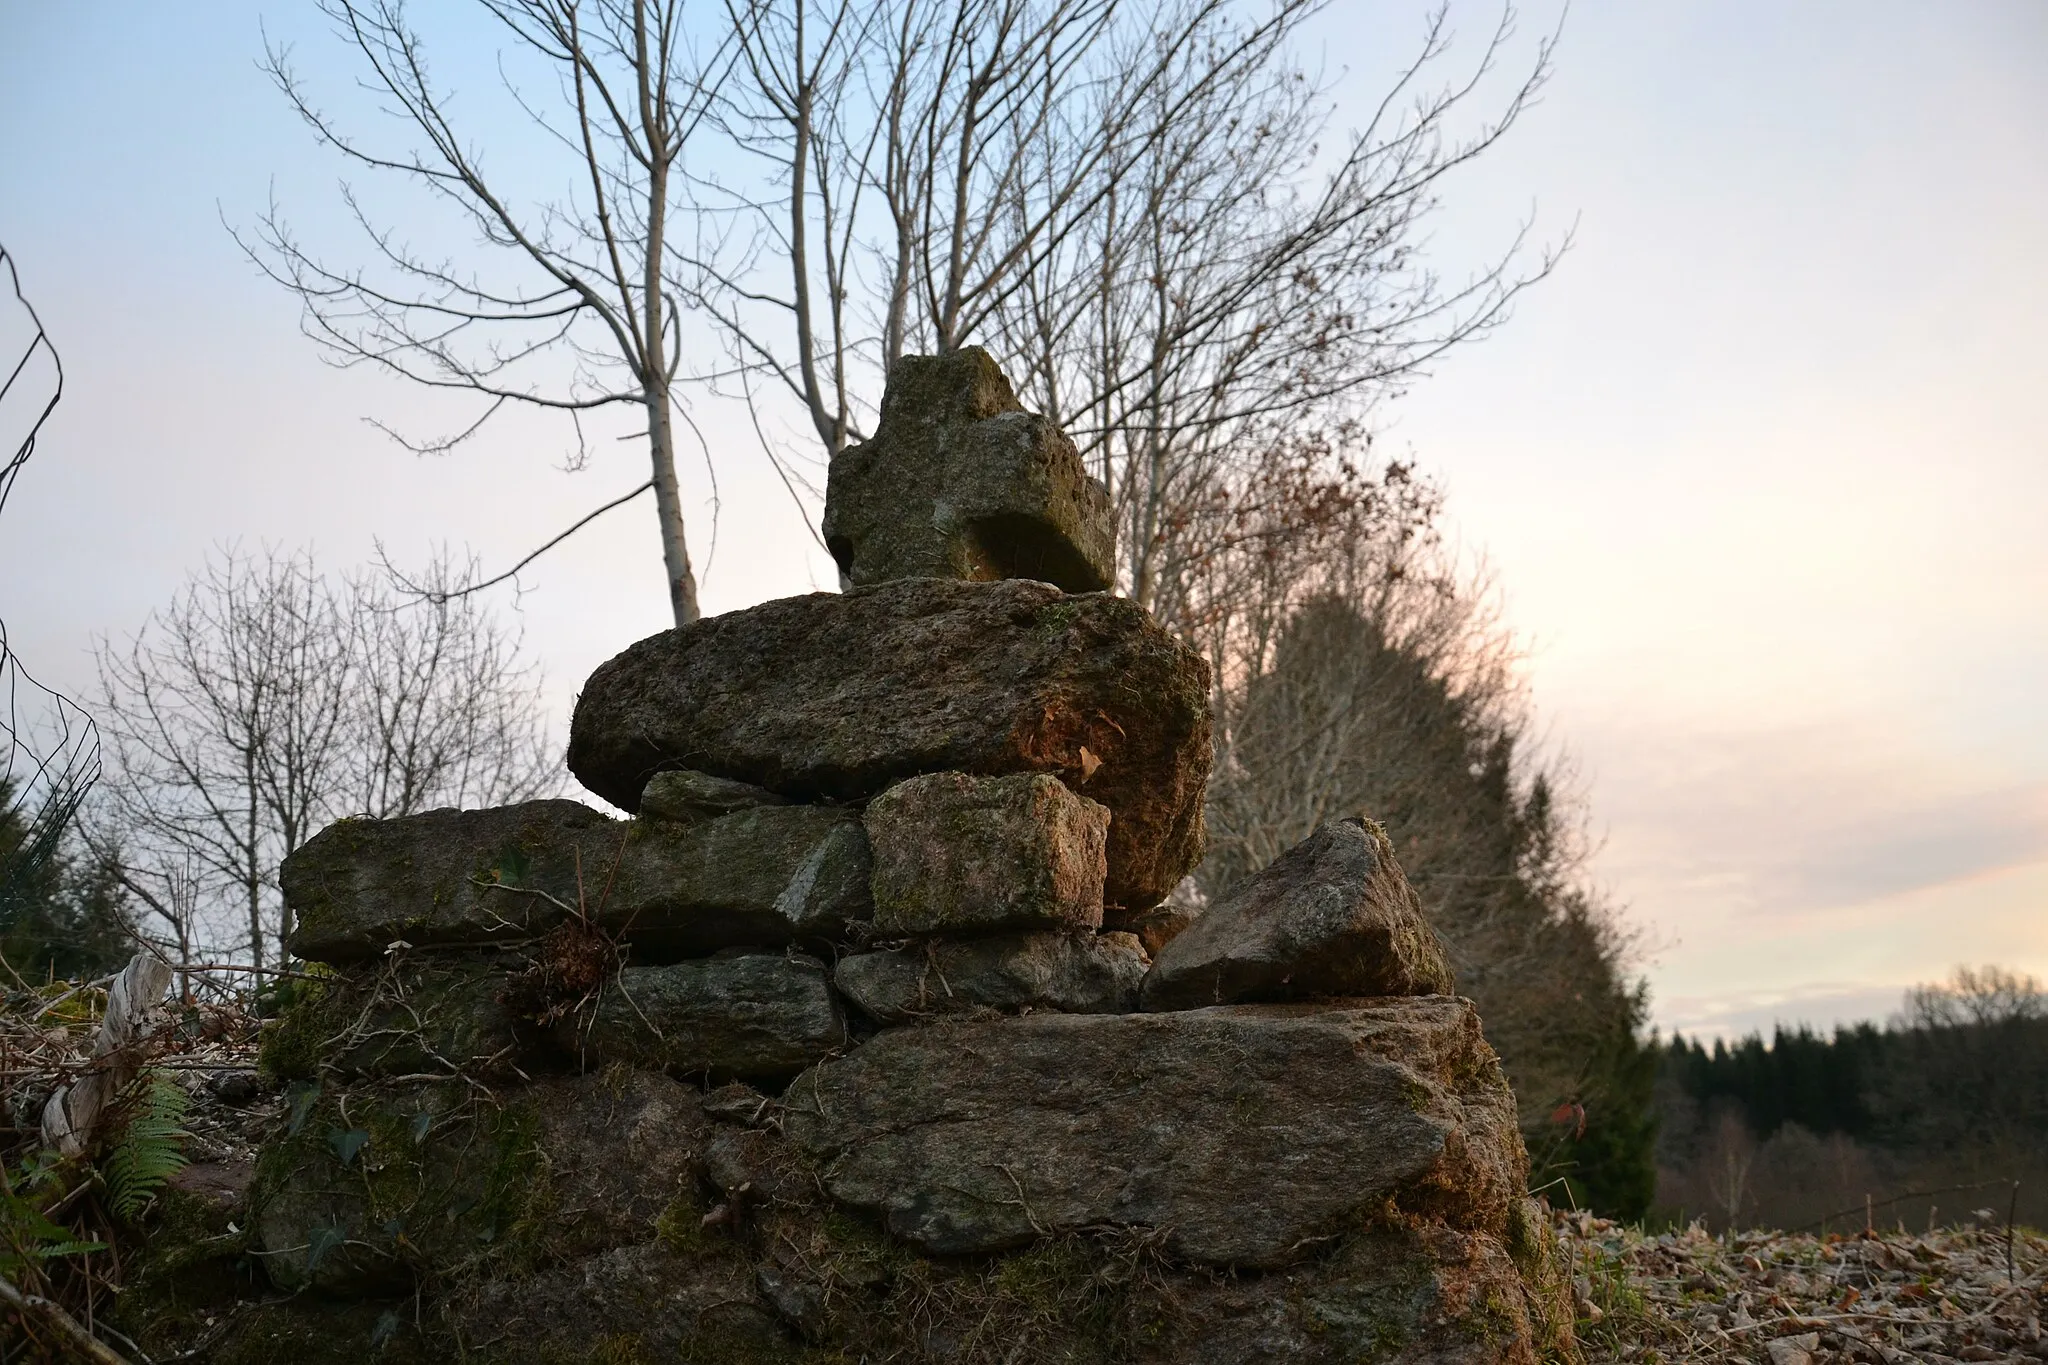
959,481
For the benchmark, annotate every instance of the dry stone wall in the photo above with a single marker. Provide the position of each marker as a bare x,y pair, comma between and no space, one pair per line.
841,1049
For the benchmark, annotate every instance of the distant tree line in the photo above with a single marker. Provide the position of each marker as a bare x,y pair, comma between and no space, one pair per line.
1966,1062
1953,1091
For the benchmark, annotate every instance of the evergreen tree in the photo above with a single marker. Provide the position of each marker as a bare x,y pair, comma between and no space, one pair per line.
61,915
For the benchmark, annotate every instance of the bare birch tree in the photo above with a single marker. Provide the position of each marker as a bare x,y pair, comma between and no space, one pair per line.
1131,206
266,700
570,313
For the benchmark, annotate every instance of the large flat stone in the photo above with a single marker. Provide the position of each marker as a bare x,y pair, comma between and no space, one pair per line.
959,481
1246,1135
839,697
961,854
1079,973
755,1014
766,876
1331,917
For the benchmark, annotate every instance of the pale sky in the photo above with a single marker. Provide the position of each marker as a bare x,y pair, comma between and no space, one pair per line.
1762,470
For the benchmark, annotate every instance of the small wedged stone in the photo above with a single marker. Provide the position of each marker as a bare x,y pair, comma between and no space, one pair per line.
380,1187
959,481
763,876
1169,919
955,853
684,797
1331,917
1078,973
839,697
740,1104
1244,1135
754,1014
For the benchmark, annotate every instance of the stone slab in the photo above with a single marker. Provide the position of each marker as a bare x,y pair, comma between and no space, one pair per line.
1331,917
839,697
684,797
755,878
380,1187
1078,973
755,1015
411,1014
1243,1135
765,877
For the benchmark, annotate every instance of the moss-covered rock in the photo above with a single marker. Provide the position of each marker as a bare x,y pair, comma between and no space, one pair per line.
760,877
380,1188
444,876
191,1269
756,877
959,854
1400,1292
757,1015
650,1302
1242,1135
683,797
410,1014
1331,917
1081,972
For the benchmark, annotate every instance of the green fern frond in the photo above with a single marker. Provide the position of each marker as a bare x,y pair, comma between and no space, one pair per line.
52,1250
152,1149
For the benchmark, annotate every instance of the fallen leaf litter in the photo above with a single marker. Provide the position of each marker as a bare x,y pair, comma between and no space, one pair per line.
1882,1295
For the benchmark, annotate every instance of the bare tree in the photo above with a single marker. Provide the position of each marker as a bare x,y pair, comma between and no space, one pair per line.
1728,1161
1983,996
1130,205
572,315
267,700
49,748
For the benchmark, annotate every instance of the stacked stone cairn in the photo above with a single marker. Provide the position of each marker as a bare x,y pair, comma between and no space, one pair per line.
867,1037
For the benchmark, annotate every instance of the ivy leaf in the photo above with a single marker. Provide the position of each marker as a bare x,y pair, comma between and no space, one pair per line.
320,1241
513,866
385,1330
347,1144
304,1096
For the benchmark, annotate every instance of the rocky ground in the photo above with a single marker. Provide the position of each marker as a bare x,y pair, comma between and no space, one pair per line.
1889,1296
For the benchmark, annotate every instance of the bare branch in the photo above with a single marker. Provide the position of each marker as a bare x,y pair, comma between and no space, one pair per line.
441,596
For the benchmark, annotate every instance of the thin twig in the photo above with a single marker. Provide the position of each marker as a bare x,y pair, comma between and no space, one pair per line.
43,1310
442,596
